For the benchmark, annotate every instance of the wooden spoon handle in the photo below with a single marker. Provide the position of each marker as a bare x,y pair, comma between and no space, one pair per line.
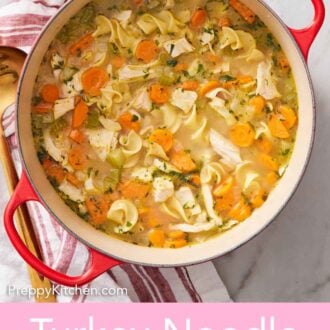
11,63
25,227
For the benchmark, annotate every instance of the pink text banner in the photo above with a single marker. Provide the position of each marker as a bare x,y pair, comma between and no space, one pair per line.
165,317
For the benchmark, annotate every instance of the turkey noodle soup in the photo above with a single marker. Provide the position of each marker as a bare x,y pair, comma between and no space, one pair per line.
164,123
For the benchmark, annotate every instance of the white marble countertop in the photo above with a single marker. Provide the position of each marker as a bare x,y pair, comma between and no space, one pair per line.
290,260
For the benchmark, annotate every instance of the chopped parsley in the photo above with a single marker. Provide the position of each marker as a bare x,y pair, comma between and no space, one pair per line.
286,152
36,100
200,68
272,43
135,118
227,78
113,48
42,154
172,62
59,65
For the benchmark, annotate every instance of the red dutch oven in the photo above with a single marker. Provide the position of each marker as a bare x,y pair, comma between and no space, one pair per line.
106,251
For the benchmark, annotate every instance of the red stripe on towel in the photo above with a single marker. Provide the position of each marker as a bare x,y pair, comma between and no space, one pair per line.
140,288
162,284
188,285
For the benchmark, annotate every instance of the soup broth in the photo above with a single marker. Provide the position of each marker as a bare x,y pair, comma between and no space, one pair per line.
162,122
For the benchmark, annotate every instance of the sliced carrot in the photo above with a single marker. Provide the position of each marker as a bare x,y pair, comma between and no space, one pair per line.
163,137
180,67
77,99
47,163
73,180
178,234
224,21
50,93
242,134
117,61
244,79
264,145
190,85
269,162
183,161
43,107
93,80
159,94
157,237
289,116
277,128
243,10
77,158
146,51
229,84
241,211
138,2
57,173
195,180
54,170
134,189
77,136
224,193
208,87
175,244
85,42
80,113
198,18
225,202
223,188
97,208
128,122
259,103
272,178
258,199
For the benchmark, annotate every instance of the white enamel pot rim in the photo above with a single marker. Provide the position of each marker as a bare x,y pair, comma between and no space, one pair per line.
212,248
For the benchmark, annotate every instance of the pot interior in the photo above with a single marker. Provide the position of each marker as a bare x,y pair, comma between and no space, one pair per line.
212,248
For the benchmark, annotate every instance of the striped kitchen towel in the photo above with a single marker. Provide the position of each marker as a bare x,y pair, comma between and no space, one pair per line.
20,23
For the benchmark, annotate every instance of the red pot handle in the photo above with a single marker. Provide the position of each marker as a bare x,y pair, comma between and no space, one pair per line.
306,36
99,263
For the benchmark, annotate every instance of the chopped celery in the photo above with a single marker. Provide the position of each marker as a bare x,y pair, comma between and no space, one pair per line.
84,20
113,48
48,118
87,15
116,158
58,125
164,58
68,73
111,181
37,125
93,120
167,80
